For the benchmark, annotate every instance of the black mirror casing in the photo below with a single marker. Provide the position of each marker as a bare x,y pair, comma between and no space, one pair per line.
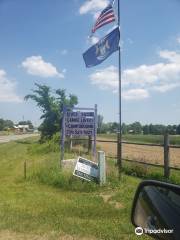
156,206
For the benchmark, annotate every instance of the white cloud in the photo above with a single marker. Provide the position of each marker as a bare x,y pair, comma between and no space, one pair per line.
7,89
158,74
166,87
105,78
35,65
139,82
93,6
135,94
171,56
142,75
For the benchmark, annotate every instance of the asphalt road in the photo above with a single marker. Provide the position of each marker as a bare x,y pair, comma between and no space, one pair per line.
8,138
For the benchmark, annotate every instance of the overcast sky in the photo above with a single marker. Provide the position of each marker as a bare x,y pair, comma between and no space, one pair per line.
43,41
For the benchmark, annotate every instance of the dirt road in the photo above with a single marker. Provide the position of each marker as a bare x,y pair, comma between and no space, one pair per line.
8,138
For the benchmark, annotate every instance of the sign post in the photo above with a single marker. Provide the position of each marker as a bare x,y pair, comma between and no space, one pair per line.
102,167
95,131
62,136
79,122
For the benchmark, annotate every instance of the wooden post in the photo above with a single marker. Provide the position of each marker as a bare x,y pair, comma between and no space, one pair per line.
71,144
95,131
89,144
102,167
62,137
25,169
166,156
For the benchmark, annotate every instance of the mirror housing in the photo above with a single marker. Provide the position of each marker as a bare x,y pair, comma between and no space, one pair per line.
156,210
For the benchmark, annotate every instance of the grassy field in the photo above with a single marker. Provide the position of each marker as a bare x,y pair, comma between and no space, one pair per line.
51,204
4,133
139,138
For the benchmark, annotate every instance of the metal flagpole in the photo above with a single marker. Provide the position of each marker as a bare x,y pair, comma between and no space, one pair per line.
119,159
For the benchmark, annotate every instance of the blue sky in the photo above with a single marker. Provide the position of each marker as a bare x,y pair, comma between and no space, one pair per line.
43,41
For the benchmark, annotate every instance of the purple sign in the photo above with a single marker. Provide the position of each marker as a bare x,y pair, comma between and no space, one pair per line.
79,123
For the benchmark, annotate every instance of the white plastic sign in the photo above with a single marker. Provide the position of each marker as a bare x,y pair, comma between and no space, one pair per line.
86,169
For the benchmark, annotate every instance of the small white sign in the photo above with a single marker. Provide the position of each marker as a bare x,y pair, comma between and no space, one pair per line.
86,169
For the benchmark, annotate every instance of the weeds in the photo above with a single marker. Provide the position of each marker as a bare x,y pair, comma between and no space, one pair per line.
150,172
56,177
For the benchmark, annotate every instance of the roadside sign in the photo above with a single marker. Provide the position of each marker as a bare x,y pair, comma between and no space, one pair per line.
79,123
86,169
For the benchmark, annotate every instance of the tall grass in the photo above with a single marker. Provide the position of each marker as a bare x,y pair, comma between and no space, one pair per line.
61,179
150,172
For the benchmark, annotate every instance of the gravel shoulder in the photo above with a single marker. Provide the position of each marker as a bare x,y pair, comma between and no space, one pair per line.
8,138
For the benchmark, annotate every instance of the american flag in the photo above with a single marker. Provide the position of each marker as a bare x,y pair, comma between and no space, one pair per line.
106,16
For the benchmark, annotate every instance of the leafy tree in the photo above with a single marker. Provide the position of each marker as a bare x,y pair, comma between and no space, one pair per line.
114,127
157,129
5,124
8,124
1,124
151,129
99,123
178,129
51,107
104,128
146,129
124,128
171,129
136,127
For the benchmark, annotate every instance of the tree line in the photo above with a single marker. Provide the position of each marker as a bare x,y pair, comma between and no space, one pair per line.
137,128
5,124
9,124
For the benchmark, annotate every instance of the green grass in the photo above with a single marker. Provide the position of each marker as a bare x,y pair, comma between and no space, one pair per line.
2,133
150,172
52,203
139,138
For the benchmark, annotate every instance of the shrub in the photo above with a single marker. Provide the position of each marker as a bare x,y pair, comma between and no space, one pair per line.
138,170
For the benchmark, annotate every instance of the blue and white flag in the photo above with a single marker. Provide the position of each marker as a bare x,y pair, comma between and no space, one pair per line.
103,49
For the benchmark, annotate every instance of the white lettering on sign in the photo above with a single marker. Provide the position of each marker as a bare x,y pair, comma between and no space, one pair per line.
79,123
79,114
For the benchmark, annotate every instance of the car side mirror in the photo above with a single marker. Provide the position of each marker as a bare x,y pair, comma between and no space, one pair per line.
156,210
